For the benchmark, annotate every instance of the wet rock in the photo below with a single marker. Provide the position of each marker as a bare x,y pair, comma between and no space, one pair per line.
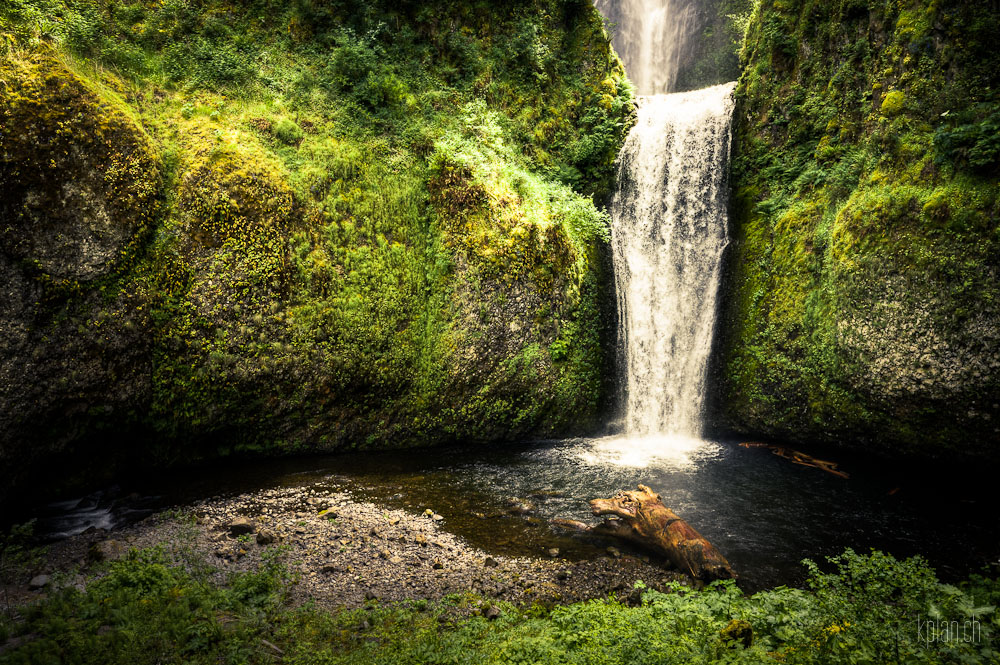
106,550
38,582
516,506
241,526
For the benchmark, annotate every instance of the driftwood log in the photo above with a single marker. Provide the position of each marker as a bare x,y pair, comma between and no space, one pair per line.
640,517
799,458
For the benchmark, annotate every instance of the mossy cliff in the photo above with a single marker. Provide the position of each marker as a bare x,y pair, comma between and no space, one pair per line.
863,294
274,227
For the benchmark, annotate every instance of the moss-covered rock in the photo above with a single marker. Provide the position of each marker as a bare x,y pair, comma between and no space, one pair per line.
863,298
315,278
79,178
80,183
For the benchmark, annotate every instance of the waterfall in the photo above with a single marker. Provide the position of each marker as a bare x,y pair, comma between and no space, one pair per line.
668,232
653,39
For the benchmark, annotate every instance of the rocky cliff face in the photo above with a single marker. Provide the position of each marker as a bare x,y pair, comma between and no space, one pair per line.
368,226
863,294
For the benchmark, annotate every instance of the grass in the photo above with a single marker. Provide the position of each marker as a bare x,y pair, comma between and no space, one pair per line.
153,608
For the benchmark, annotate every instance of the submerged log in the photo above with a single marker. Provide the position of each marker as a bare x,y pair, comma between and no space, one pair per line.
643,519
799,458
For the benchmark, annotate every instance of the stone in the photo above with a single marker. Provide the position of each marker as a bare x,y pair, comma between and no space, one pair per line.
437,565
265,537
614,552
241,526
737,632
106,550
516,506
490,562
492,612
553,552
436,517
38,582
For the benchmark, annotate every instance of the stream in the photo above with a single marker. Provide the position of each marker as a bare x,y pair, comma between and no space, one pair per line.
763,512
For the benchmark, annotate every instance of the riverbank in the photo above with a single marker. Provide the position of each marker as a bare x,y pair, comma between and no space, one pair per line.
309,575
344,552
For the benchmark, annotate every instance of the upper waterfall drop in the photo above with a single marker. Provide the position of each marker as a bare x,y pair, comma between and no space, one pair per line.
653,39
668,234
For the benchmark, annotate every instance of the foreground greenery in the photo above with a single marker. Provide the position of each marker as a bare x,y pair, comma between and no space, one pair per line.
867,609
285,225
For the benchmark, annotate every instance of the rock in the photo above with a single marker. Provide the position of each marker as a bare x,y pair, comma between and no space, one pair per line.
492,612
614,552
265,537
370,595
516,506
385,554
241,526
420,539
738,632
395,560
106,550
553,552
490,562
437,565
38,582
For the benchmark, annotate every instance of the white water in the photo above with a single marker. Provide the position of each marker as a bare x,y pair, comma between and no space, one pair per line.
668,233
653,39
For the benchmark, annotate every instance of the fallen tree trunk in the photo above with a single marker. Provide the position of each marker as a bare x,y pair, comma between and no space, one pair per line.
643,519
799,458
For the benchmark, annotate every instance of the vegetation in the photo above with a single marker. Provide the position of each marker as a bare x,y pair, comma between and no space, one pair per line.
866,609
341,224
863,301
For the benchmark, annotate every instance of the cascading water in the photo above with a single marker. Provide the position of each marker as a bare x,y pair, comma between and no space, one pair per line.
668,233
653,39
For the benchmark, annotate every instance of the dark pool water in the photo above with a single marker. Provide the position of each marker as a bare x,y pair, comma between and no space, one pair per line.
763,512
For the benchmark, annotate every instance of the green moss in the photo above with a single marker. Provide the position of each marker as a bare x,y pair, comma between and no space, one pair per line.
893,103
862,296
377,226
